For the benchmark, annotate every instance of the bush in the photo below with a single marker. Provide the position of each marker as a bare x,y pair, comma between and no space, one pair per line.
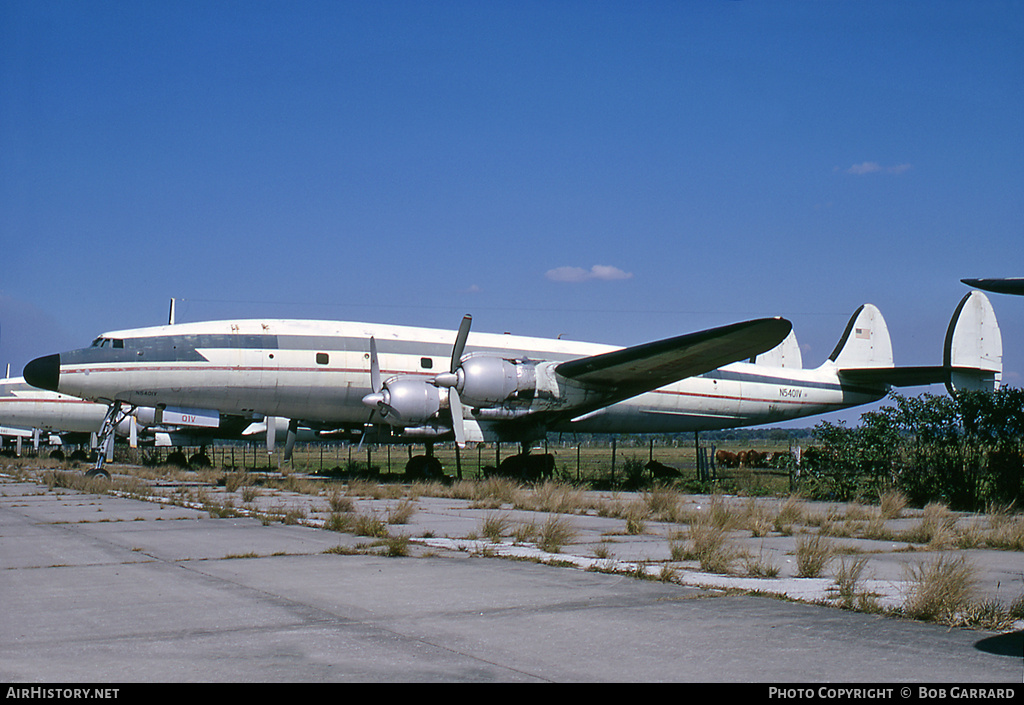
964,451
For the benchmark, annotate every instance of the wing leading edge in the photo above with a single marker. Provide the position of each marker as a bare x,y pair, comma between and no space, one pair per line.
641,368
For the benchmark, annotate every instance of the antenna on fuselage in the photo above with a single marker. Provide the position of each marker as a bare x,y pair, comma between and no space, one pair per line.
170,315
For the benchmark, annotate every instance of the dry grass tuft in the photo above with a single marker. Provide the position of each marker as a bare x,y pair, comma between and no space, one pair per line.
710,547
340,502
402,512
554,533
892,503
847,578
396,546
760,566
940,590
369,525
937,528
495,526
813,554
792,512
757,518
553,497
663,503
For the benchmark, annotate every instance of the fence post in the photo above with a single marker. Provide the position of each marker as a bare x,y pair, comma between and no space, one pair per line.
614,440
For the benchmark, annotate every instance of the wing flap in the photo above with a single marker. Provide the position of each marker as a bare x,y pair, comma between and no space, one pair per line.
641,368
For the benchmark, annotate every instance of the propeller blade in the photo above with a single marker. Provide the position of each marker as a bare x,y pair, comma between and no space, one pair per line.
366,430
460,342
289,443
375,383
457,421
386,411
271,433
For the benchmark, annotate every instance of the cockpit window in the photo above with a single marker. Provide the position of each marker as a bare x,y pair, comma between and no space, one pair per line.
102,342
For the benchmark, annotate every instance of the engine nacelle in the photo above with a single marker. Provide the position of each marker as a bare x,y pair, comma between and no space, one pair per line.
486,380
410,401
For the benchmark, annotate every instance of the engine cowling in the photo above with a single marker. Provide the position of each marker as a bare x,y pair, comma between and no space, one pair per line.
486,380
406,401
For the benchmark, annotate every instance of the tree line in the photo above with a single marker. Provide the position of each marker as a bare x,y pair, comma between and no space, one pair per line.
965,450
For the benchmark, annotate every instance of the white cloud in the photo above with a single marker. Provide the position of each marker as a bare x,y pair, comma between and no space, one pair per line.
864,168
600,272
875,167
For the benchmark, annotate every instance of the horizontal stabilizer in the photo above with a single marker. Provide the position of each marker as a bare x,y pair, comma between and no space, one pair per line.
972,355
641,368
895,376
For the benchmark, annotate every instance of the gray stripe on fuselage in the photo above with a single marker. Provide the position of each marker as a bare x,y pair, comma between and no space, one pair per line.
184,348
733,376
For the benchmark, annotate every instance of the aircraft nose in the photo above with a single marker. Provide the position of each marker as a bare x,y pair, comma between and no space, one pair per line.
43,372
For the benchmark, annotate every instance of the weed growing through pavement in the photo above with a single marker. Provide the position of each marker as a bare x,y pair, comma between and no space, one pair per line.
813,554
939,589
495,526
402,512
554,533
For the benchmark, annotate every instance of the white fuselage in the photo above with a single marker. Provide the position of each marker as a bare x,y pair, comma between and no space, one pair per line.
319,371
25,407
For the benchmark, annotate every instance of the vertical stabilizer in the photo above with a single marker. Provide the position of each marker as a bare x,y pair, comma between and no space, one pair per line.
974,346
865,343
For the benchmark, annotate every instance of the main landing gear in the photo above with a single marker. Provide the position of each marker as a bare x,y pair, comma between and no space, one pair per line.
104,447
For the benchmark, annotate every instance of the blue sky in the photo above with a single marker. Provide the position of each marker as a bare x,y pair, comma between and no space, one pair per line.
608,171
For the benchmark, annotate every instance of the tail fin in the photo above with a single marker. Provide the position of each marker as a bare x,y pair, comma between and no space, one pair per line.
973,352
865,343
785,354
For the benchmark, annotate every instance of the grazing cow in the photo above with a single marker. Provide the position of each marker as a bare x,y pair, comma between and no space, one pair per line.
725,459
527,468
752,458
660,471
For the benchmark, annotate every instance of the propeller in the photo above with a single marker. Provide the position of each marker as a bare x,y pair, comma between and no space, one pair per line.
289,442
375,399
451,381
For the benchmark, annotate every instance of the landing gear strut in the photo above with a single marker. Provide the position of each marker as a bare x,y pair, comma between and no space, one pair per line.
105,440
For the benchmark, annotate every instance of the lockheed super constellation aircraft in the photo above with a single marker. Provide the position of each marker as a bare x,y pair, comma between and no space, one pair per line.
29,412
426,385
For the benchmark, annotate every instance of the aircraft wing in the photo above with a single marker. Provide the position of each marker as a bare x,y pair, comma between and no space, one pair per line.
641,368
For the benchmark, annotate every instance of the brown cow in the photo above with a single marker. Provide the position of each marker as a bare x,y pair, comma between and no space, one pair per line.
725,459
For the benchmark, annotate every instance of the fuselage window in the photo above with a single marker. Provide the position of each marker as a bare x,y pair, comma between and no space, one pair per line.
426,363
322,358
